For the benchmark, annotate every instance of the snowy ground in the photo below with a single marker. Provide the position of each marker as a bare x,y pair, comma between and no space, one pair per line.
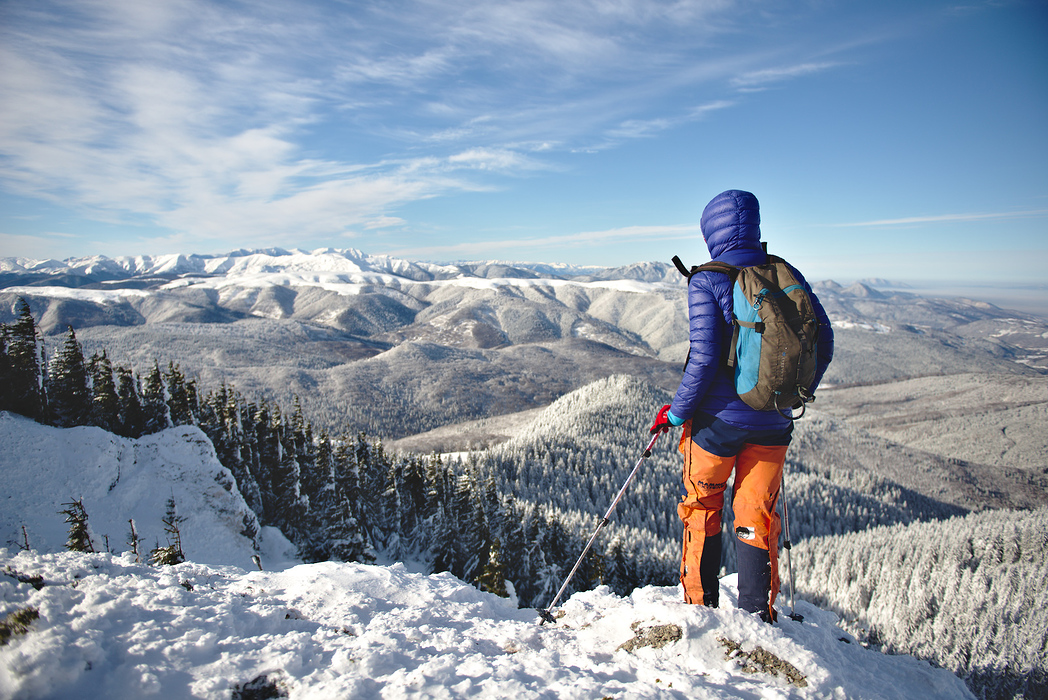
111,628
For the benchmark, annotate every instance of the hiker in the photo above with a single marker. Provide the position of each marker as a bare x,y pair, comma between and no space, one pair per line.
721,432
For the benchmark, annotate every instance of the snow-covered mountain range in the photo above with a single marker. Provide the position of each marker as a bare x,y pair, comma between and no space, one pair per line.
931,409
351,264
343,330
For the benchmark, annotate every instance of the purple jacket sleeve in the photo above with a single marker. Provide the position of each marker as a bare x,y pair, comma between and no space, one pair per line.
707,324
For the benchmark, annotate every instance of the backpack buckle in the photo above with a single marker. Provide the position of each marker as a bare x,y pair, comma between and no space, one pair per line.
759,301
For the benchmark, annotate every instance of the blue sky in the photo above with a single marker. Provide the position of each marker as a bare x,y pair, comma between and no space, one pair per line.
904,140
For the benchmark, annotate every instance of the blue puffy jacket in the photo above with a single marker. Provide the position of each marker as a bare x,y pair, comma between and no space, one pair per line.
731,226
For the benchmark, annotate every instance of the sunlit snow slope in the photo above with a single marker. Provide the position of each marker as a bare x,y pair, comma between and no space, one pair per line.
111,628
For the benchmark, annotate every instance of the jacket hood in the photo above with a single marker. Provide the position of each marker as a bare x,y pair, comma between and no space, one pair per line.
730,222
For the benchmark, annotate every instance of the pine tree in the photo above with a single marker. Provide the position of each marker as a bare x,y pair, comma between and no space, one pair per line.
221,416
510,533
290,506
551,560
471,545
154,403
443,538
347,542
24,393
105,403
619,572
493,576
372,468
79,539
413,504
171,554
390,512
265,443
319,487
69,397
131,418
179,405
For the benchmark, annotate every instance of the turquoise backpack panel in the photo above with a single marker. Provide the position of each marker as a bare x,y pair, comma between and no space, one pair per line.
747,345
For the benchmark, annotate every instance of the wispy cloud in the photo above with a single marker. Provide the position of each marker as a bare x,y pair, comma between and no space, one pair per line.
949,218
302,119
760,79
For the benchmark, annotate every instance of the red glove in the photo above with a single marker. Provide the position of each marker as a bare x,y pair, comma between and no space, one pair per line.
662,421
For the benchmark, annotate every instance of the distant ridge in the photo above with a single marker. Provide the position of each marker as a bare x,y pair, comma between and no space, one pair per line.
501,337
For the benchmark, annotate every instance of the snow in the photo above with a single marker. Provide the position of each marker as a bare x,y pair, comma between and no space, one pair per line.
110,627
343,272
95,296
43,467
875,327
632,286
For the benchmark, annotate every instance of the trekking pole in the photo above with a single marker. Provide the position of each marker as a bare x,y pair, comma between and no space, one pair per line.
788,545
546,614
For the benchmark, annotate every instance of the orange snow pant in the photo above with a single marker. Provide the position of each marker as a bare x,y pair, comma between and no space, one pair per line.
758,477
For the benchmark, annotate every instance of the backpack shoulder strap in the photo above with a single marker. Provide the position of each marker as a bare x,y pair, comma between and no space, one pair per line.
713,266
681,267
716,266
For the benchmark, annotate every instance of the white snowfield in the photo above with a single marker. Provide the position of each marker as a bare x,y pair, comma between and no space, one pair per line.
111,628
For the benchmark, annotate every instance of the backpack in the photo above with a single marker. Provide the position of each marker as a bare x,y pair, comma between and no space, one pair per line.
772,354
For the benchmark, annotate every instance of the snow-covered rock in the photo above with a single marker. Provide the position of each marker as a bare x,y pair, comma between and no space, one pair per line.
118,479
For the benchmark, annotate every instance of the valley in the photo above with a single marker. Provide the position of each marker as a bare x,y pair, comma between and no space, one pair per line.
397,348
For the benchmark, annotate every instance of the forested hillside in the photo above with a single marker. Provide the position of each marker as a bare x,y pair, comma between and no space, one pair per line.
523,508
967,592
578,453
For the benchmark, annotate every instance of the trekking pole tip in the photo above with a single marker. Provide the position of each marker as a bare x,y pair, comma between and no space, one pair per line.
545,616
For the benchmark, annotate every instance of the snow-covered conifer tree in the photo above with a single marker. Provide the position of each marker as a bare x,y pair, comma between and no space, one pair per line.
179,403
79,535
131,417
69,396
346,540
492,577
24,393
105,404
171,554
154,403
